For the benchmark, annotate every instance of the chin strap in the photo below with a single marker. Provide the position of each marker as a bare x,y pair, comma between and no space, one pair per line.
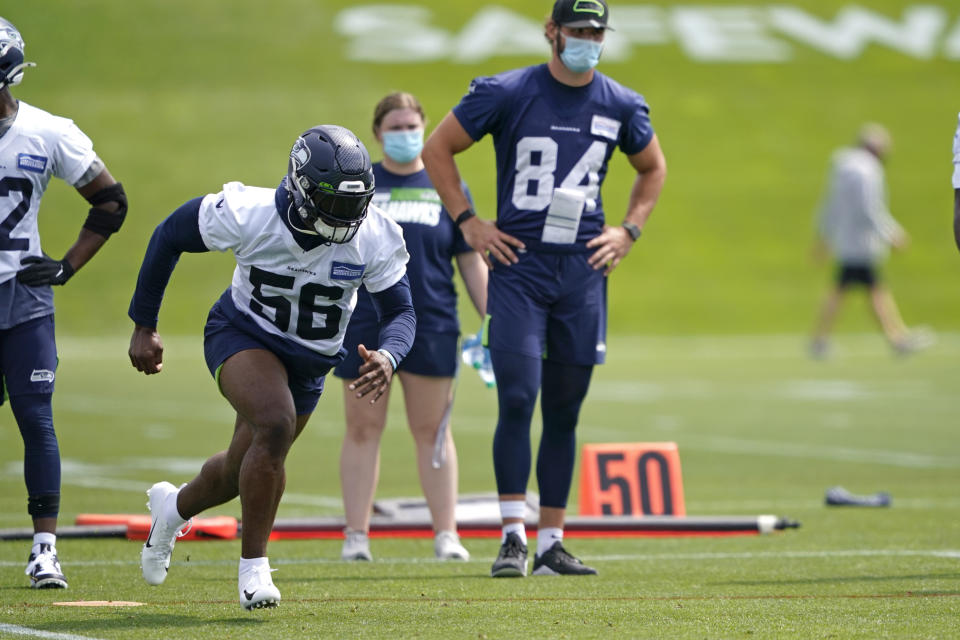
7,81
309,232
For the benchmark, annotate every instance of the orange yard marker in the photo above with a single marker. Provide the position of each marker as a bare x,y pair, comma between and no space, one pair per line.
631,478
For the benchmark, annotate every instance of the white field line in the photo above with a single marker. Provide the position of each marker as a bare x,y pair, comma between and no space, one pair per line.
39,633
949,554
821,452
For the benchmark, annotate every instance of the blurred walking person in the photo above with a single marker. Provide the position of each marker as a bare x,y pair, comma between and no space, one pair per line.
857,229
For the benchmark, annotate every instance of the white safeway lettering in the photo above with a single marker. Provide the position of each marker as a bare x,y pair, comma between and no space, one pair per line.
854,28
727,34
403,34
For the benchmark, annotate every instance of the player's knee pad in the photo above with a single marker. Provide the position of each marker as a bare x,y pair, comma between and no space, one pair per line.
46,506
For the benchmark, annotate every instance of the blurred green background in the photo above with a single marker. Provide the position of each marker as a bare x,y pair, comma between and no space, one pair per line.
180,97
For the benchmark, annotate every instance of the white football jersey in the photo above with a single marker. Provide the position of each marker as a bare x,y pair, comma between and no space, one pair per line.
35,147
956,156
303,296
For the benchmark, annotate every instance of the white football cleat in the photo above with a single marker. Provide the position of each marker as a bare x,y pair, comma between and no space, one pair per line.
356,546
446,546
44,570
155,556
257,590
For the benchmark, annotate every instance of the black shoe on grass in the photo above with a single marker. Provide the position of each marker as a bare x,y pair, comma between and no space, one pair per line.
557,562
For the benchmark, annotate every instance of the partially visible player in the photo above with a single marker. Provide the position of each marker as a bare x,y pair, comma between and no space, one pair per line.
956,185
857,228
35,146
405,194
302,251
555,127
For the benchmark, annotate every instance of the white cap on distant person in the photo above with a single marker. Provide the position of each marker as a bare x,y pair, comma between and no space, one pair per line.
876,138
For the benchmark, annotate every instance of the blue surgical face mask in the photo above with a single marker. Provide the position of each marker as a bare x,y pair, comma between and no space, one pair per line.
581,55
403,146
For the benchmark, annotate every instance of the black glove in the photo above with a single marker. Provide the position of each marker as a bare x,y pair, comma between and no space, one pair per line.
44,270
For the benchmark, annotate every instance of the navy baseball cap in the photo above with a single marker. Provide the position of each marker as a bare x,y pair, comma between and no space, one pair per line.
581,13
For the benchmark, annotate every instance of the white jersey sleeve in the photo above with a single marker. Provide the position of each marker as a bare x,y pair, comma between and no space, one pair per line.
956,156
220,225
73,154
389,263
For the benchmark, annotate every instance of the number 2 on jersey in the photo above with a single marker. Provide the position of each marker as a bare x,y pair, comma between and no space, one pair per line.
24,187
537,162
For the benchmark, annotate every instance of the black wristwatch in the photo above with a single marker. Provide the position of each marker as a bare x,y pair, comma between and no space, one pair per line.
466,215
632,229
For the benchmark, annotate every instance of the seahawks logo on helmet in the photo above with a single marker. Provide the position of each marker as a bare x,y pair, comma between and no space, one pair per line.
11,55
330,182
300,154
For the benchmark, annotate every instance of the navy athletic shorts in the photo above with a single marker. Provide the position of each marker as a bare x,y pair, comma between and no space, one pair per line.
28,358
432,354
225,336
856,274
549,305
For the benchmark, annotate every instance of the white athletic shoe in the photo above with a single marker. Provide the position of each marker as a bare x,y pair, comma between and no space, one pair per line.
446,545
356,546
155,556
44,569
257,590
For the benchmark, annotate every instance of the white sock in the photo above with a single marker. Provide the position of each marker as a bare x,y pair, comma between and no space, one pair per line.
246,564
547,537
170,512
44,538
514,527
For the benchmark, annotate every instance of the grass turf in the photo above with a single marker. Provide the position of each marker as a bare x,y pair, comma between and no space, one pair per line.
760,428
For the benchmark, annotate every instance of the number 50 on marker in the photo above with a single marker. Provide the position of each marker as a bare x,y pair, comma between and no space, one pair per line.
633,478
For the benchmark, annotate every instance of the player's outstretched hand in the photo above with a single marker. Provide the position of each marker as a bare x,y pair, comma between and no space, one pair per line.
146,350
485,238
44,270
612,245
375,374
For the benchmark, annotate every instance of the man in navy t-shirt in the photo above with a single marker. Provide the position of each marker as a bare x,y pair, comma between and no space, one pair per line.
554,127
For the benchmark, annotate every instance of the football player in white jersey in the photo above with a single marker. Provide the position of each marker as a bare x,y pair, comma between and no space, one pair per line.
34,146
302,251
956,185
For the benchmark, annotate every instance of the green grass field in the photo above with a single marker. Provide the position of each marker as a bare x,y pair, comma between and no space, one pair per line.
707,319
760,429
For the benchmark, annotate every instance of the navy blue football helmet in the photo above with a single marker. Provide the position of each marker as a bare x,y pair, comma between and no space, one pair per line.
330,181
11,55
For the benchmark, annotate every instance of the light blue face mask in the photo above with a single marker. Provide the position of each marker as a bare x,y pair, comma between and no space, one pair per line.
403,146
581,55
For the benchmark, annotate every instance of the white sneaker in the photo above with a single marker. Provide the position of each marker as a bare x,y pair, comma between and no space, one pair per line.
155,556
257,590
356,546
44,570
446,545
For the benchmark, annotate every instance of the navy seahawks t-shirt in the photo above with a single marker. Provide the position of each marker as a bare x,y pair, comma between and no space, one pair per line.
432,241
547,135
